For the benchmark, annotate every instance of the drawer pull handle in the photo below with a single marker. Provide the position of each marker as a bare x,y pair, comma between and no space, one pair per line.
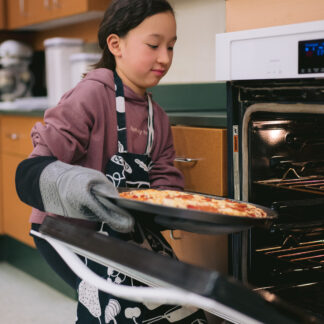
13,136
185,160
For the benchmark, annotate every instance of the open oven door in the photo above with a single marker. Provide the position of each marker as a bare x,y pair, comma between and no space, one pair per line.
170,281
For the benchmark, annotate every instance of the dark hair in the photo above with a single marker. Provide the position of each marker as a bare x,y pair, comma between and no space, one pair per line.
120,17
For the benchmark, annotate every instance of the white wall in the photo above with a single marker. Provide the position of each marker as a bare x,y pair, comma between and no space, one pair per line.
194,54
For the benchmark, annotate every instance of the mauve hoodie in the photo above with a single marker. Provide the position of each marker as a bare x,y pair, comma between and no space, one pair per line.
82,130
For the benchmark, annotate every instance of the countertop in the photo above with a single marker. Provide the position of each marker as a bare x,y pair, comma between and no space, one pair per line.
195,119
199,119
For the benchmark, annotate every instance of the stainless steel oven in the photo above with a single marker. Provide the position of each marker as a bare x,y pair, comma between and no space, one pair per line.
275,105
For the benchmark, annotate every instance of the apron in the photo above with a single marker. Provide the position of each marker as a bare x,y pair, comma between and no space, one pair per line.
131,170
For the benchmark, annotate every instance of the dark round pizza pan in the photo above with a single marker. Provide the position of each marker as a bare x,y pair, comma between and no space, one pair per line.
189,219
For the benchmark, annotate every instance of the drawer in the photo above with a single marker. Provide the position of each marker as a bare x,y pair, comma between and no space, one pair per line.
203,158
15,134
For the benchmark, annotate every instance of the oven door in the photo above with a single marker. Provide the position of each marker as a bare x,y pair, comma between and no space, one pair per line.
170,281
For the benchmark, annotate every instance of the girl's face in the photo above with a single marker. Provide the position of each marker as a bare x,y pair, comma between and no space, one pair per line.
146,52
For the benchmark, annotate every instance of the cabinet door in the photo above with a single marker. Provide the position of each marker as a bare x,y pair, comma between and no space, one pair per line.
15,146
15,213
64,8
207,251
204,164
22,13
17,13
2,14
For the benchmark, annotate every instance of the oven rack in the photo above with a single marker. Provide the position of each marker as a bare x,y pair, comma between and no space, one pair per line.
311,184
305,254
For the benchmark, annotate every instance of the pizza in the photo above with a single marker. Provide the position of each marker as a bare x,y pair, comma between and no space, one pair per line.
179,199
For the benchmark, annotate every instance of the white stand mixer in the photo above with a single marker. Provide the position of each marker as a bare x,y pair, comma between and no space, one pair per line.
16,80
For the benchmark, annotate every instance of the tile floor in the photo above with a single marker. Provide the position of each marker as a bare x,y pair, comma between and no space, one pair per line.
24,299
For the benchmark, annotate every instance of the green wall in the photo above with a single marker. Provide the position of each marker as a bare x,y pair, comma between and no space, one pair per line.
200,97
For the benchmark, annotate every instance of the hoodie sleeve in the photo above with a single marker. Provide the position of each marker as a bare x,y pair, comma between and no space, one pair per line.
164,175
67,127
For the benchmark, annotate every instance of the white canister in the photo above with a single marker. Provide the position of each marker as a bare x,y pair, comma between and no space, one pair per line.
81,63
58,75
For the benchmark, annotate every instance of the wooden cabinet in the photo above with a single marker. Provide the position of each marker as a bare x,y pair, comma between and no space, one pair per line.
251,14
2,14
22,13
15,146
203,156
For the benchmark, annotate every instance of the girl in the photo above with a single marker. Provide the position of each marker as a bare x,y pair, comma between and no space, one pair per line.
106,133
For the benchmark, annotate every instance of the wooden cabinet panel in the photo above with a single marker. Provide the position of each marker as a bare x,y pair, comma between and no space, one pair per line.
22,13
56,9
15,135
208,251
17,14
208,148
1,193
2,14
15,213
251,14
15,146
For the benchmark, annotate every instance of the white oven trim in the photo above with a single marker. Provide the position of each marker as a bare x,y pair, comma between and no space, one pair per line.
268,107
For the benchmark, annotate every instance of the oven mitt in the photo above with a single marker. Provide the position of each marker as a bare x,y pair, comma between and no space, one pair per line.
79,192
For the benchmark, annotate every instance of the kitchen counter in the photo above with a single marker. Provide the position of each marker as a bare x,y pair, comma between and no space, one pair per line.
196,119
199,119
27,113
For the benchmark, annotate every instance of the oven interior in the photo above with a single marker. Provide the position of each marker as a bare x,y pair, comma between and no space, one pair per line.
285,173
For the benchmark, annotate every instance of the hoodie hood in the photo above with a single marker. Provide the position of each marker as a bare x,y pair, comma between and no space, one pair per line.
106,77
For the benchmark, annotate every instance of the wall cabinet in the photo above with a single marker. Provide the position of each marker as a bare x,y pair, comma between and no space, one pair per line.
15,146
2,14
251,14
23,13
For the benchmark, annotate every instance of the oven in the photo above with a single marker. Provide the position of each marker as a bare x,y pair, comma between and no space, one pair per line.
275,106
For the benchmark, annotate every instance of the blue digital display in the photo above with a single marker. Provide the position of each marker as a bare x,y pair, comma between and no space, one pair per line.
311,56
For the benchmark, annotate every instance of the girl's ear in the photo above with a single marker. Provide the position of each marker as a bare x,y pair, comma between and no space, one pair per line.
113,43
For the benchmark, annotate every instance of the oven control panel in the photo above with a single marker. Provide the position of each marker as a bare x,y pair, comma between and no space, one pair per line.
280,52
311,56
